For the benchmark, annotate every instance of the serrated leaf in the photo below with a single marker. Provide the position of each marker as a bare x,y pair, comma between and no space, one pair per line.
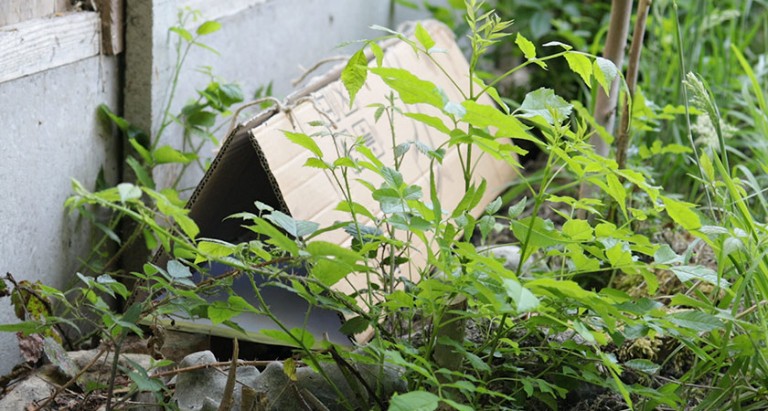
605,72
517,209
296,228
695,320
546,104
422,35
355,325
578,230
581,65
526,46
305,141
682,213
493,206
689,272
414,401
643,365
410,89
483,116
523,298
543,233
354,74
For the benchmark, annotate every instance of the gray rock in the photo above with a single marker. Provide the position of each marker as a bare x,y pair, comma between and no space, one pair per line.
203,389
25,392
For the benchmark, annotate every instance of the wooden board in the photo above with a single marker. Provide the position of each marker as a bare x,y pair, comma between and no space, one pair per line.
15,11
44,43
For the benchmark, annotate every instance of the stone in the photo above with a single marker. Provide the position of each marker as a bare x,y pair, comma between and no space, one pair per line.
33,389
202,389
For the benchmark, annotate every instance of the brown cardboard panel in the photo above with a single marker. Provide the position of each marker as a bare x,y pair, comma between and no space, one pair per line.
258,163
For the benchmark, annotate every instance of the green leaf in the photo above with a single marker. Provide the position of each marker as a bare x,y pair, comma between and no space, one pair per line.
354,326
141,173
414,401
168,154
422,35
695,320
275,237
517,209
682,213
483,116
304,141
543,233
605,72
128,192
187,225
182,32
296,335
208,27
221,311
546,104
643,365
689,272
215,248
202,118
178,270
523,298
493,206
411,89
528,49
377,52
581,65
578,230
230,94
354,74
296,228
333,262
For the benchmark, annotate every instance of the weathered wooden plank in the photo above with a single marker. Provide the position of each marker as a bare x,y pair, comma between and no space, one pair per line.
61,6
215,9
112,26
40,44
14,11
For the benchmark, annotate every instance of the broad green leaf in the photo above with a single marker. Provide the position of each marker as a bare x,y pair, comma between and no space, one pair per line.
581,65
296,228
215,249
128,192
666,255
682,213
275,237
168,154
354,74
543,233
304,141
695,320
296,337
202,118
578,230
528,49
431,121
208,27
689,272
414,401
182,32
517,209
187,225
605,72
546,104
524,299
178,270
483,116
643,365
411,89
619,255
355,325
141,173
333,262
422,35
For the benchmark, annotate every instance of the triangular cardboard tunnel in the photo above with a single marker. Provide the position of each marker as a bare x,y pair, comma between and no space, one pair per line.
258,163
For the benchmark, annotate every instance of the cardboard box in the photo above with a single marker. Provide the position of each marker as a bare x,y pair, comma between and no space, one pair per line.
258,163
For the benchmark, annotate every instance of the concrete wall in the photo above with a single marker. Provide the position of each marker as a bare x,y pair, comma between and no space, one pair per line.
50,134
50,131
